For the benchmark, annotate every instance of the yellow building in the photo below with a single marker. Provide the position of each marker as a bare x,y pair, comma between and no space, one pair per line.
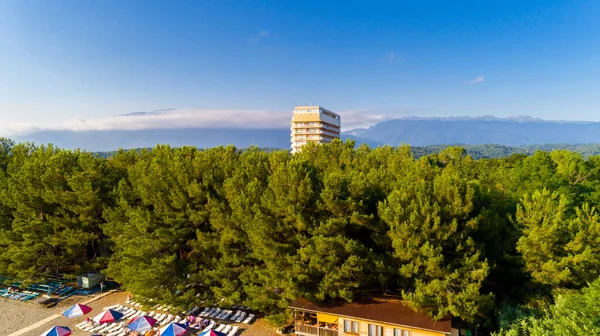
366,317
313,124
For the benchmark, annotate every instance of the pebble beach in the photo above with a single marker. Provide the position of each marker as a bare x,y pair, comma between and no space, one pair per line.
15,315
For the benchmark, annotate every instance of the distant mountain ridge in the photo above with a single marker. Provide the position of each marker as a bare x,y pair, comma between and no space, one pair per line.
516,131
415,131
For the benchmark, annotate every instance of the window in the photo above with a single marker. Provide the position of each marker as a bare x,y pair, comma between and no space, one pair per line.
375,330
401,332
350,326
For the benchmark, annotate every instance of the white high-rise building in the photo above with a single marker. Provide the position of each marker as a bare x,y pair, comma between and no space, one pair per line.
314,124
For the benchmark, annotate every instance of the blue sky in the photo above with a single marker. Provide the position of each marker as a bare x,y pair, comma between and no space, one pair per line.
70,60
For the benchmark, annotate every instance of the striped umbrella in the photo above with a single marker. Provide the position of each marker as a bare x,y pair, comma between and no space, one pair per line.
141,323
211,333
173,329
58,331
107,316
77,310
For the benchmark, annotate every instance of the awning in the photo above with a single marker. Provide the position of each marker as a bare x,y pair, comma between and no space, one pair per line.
327,318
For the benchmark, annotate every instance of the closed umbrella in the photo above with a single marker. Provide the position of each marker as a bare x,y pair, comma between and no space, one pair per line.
141,323
77,310
58,331
107,316
173,329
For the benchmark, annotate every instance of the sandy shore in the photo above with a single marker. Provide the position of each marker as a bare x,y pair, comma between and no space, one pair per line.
18,315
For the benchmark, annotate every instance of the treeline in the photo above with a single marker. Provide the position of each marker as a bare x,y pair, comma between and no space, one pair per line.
499,151
489,151
453,235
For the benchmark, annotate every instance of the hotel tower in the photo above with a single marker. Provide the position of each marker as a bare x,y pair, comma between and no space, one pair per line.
313,124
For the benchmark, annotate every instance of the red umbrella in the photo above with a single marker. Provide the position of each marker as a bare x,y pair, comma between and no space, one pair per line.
108,316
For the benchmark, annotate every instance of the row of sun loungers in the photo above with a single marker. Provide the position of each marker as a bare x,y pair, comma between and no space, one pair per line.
120,328
23,296
239,316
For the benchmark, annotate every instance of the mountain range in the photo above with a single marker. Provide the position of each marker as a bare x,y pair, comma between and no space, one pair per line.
416,131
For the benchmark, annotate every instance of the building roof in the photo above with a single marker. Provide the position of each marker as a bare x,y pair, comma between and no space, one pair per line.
378,310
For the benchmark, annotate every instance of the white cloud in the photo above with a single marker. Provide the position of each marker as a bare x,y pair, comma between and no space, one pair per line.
477,80
391,57
263,34
191,118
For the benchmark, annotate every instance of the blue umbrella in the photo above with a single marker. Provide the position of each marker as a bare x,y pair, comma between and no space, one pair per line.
58,331
77,310
211,333
142,323
173,329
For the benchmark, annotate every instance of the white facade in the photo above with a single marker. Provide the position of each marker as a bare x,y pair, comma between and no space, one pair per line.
313,124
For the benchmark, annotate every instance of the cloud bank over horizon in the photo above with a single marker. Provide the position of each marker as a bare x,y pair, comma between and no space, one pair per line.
190,118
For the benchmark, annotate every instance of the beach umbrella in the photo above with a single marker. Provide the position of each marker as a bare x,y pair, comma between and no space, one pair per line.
107,316
58,331
77,310
211,333
173,329
141,323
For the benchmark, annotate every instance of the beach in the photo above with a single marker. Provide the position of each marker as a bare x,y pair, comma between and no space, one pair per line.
16,315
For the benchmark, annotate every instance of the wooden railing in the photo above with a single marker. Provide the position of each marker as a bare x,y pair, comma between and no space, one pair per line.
304,329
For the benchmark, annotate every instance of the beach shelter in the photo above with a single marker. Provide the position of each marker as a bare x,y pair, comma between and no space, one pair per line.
107,316
173,329
58,331
141,323
77,310
211,333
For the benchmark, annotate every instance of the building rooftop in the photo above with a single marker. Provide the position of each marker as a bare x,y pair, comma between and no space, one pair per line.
378,310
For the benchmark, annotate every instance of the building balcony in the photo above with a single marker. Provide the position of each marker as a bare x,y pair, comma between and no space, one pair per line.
310,330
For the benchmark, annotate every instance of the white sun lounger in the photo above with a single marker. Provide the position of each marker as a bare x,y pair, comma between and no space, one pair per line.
236,315
226,329
81,325
168,319
110,307
114,328
177,319
233,331
159,317
221,327
204,311
210,311
215,313
241,317
210,326
248,320
227,314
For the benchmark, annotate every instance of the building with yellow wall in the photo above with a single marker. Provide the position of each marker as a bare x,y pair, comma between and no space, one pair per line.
366,317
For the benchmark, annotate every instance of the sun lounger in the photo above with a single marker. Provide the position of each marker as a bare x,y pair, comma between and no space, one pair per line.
233,331
215,313
248,320
221,327
192,311
106,327
93,330
209,326
111,307
226,329
209,312
236,315
241,317
204,311
177,319
168,319
81,325
227,314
